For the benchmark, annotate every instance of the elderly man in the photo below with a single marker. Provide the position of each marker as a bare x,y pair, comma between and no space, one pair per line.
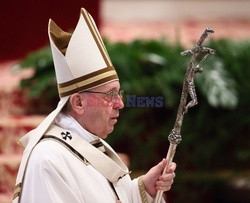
65,157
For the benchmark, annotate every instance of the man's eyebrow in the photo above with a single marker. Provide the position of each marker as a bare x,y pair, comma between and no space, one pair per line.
113,89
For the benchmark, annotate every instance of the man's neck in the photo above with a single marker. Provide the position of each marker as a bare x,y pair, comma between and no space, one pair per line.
69,123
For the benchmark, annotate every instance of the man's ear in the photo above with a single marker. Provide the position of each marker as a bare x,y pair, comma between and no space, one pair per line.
77,103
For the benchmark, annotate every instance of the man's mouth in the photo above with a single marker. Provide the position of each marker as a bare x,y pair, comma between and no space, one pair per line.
114,118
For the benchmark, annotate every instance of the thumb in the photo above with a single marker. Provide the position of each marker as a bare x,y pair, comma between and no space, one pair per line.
160,166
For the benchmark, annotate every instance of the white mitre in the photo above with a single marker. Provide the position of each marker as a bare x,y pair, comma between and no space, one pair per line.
81,60
81,63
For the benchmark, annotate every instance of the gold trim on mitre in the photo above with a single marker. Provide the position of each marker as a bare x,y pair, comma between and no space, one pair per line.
88,81
17,190
60,38
96,36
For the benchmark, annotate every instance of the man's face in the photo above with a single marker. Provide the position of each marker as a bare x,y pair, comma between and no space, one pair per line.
100,112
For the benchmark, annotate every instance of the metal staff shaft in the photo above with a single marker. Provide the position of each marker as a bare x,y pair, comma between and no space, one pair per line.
169,157
187,89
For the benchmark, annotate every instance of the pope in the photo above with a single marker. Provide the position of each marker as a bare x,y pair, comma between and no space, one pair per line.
66,158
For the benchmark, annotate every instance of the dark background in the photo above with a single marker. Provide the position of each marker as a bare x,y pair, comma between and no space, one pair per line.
24,23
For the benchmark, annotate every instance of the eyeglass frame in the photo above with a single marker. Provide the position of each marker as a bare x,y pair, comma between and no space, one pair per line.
120,94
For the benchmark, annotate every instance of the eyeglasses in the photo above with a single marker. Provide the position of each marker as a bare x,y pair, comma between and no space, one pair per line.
109,96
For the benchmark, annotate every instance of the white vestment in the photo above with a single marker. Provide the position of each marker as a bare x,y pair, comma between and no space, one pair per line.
56,175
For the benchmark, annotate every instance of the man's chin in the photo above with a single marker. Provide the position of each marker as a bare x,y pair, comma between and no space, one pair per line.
105,135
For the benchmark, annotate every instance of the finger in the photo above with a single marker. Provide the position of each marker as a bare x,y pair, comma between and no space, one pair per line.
167,176
165,180
164,183
171,167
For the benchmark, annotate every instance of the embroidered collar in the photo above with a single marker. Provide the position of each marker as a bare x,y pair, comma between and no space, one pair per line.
67,122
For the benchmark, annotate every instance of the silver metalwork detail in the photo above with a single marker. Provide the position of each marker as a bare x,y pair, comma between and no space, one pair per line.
174,138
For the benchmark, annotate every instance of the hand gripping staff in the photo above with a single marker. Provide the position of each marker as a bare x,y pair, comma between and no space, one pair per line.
188,89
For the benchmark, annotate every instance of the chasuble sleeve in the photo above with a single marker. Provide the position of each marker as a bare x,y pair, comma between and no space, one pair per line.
138,190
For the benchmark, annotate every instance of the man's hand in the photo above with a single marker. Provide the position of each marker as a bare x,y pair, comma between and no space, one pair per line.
154,180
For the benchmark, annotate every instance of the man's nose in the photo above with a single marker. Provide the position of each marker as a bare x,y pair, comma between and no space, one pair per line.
119,103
